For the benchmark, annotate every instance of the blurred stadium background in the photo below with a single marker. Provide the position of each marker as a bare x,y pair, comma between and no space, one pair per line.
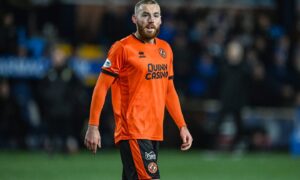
51,52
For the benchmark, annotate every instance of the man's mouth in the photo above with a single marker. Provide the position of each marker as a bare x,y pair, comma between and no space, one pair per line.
150,27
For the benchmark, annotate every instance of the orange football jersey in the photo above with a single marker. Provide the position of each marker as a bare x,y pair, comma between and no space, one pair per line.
142,72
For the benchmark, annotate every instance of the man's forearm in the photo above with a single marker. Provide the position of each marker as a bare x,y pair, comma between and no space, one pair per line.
103,84
173,106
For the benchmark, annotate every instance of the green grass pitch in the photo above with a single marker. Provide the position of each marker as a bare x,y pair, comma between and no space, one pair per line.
174,165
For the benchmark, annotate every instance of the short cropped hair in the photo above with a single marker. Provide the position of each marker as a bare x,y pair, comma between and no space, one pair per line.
138,4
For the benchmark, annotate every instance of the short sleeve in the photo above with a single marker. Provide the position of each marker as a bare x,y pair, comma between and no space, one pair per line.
115,60
171,74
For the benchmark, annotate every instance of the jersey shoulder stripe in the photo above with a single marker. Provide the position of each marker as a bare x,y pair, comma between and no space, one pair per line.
109,73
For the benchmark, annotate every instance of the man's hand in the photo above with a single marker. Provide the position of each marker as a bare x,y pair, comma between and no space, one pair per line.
92,138
186,138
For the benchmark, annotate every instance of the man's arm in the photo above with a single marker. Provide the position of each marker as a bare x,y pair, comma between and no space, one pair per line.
173,107
92,137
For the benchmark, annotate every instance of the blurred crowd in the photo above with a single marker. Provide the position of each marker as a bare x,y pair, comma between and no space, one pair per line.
240,57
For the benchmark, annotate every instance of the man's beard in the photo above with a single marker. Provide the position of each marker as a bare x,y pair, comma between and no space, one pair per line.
147,36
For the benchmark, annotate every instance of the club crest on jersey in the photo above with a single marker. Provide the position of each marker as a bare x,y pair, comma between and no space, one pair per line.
162,52
152,167
107,63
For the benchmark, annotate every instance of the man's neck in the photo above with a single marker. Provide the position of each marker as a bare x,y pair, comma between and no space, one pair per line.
150,41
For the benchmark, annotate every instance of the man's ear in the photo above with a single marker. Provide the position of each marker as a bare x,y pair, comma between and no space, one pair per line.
133,18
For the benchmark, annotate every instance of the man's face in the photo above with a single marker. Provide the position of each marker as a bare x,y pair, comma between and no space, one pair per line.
234,53
58,57
147,20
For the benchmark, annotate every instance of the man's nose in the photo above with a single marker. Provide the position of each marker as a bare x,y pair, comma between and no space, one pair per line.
151,19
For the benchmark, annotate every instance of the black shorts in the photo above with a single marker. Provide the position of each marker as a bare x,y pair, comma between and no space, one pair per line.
139,159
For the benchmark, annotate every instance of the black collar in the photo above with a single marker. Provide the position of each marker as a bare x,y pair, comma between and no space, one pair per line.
141,40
